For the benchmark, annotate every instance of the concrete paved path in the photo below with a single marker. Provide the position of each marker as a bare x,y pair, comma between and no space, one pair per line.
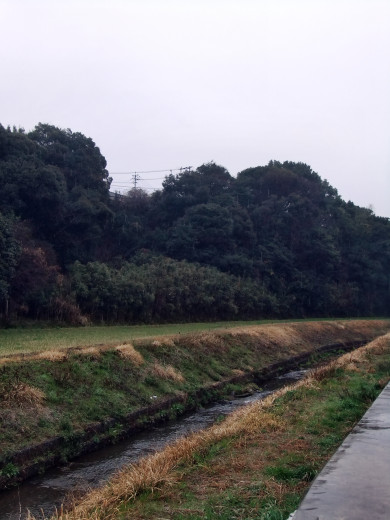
355,484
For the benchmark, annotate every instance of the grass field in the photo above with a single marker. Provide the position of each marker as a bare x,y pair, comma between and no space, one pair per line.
33,339
27,340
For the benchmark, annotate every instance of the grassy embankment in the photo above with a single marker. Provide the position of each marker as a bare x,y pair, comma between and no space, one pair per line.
256,464
26,340
61,392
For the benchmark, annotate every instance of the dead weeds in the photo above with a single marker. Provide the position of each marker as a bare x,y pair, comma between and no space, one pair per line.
93,352
166,372
52,355
21,395
128,352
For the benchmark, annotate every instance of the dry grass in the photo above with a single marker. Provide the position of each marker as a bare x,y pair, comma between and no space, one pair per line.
321,373
378,345
47,355
167,372
59,355
280,334
92,352
352,361
238,372
6,360
295,337
276,490
52,355
215,341
128,352
164,342
21,395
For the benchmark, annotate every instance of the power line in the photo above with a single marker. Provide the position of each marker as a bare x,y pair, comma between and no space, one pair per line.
146,171
181,169
136,177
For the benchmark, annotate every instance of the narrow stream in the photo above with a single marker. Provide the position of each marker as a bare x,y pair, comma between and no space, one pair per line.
41,495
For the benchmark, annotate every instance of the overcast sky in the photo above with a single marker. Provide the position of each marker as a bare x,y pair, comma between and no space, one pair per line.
164,84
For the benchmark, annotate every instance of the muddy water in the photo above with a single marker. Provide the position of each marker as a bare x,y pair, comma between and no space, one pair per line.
41,495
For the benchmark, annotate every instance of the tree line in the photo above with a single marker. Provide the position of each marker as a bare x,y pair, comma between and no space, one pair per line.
275,241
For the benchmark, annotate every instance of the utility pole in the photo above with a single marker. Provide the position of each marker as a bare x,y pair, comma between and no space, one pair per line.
135,178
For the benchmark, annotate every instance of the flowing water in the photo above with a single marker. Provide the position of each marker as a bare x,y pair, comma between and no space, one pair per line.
41,495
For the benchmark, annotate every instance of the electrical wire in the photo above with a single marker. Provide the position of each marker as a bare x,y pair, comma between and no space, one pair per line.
128,185
183,168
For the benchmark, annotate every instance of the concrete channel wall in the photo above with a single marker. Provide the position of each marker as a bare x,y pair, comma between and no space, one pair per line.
355,483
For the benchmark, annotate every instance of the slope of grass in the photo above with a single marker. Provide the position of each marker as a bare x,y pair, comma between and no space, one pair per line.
258,463
35,339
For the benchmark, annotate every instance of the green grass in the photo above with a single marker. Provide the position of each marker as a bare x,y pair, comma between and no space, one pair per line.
285,472
34,339
27,340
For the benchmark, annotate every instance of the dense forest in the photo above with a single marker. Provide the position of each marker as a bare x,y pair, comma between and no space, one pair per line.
276,241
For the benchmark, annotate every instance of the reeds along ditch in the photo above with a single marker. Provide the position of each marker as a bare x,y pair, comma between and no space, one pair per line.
358,376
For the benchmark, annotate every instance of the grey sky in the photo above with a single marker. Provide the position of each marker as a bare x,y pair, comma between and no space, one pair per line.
160,84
